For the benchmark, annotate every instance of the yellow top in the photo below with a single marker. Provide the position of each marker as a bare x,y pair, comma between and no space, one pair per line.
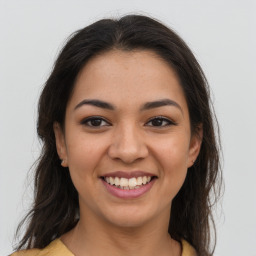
58,248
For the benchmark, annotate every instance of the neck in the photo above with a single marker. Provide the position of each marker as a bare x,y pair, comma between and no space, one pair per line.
94,237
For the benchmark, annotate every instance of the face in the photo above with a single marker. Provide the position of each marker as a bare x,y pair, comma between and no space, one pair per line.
127,140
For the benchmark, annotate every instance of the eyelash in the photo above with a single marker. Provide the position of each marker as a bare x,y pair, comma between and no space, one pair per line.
99,118
162,119
93,118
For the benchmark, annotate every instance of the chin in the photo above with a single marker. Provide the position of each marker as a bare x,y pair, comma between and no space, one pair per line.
128,223
129,217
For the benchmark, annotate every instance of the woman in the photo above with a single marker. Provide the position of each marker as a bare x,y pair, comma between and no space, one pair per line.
129,153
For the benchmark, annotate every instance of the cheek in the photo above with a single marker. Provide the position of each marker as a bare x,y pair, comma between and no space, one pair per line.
173,156
84,155
172,151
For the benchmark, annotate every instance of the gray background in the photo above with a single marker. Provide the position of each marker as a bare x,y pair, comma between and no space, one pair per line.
222,35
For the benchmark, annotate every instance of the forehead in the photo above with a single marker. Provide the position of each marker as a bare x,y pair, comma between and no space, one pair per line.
128,76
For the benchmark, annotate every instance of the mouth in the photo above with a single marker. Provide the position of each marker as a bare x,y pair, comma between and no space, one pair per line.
128,184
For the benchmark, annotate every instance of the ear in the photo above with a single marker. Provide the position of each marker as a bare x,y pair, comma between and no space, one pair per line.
195,145
60,144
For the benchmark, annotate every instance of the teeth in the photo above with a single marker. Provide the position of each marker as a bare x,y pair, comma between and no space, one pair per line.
112,182
139,181
132,182
117,181
124,183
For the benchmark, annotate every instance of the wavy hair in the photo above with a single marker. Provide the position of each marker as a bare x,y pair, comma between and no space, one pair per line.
55,209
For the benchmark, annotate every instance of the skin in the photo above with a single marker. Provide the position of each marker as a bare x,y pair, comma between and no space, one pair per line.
126,139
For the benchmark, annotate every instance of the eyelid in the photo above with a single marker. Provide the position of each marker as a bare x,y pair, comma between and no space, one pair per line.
170,121
90,118
84,121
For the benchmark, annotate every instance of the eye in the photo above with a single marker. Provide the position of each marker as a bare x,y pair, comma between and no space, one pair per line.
95,121
160,121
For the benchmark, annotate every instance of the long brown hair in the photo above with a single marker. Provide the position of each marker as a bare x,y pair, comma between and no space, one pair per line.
56,210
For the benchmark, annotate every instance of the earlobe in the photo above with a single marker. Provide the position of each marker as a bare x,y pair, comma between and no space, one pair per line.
195,145
60,144
64,163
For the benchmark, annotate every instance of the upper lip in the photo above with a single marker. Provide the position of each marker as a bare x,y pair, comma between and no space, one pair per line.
128,174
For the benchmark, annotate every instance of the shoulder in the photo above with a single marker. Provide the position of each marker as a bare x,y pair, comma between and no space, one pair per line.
187,249
30,252
55,248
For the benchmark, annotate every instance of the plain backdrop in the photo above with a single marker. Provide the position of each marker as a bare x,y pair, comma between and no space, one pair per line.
221,34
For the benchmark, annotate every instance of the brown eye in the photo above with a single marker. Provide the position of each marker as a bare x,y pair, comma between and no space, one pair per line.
95,122
160,122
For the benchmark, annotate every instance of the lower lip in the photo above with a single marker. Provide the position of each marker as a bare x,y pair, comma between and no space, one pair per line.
128,193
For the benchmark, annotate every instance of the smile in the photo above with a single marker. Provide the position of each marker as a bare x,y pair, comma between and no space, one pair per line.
127,184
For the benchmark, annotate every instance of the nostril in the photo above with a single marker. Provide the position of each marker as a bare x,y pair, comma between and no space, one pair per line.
128,150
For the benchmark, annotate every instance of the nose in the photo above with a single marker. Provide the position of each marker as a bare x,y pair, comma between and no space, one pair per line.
128,145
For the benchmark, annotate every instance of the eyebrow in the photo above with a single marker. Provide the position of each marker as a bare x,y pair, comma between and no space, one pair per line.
96,103
146,106
160,103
